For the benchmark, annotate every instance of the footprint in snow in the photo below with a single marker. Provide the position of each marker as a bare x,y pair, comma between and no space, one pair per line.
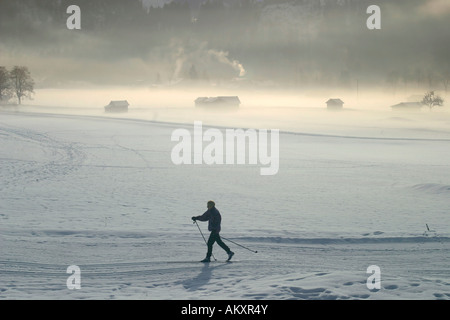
391,287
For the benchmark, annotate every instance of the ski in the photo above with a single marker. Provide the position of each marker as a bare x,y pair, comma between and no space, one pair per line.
193,261
221,261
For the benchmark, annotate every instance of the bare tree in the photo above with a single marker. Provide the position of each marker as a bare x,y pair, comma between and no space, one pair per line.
445,78
446,82
23,84
431,100
5,85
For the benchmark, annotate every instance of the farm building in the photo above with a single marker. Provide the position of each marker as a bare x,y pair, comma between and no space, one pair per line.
335,104
407,106
117,106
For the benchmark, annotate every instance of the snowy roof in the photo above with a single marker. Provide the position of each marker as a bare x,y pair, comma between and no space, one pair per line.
220,99
119,103
408,105
335,101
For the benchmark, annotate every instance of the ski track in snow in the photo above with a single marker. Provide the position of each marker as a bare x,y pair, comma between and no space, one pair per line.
307,272
102,194
63,156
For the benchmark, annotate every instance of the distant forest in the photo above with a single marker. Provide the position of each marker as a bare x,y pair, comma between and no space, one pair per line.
291,43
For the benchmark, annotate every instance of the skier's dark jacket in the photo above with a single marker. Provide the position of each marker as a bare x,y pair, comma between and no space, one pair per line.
213,217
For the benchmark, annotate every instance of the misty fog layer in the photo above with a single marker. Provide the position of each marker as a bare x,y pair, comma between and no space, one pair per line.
283,58
300,44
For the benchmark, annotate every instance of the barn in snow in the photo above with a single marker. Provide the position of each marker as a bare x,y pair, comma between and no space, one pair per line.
117,106
335,104
407,106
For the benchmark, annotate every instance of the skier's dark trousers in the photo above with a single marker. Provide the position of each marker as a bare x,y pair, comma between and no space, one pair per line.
212,215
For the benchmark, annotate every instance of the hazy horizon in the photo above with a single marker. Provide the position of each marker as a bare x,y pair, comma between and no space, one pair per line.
287,44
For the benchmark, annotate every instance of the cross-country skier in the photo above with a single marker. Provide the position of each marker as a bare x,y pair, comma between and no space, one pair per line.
212,215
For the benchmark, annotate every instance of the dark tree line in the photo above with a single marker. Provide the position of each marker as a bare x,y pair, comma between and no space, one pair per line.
338,50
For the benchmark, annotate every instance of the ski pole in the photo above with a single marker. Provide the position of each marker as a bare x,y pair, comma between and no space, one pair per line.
240,245
204,238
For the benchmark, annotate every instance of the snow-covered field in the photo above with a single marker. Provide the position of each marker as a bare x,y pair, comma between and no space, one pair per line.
354,189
